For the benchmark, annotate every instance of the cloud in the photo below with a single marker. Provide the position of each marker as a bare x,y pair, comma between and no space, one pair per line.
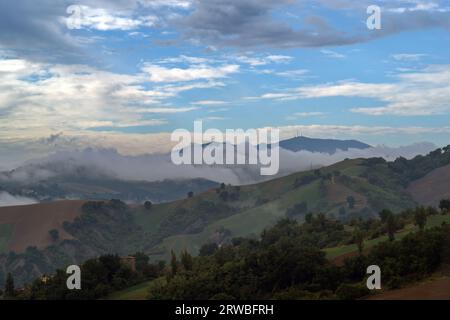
255,61
333,54
308,114
42,97
110,163
8,200
265,23
165,110
420,93
86,17
251,24
38,31
295,74
158,73
209,103
408,56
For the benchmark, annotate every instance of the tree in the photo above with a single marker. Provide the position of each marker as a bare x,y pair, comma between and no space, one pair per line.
208,249
309,217
173,263
186,260
148,205
420,218
9,286
351,202
141,261
190,194
385,214
391,227
444,205
359,240
222,186
54,235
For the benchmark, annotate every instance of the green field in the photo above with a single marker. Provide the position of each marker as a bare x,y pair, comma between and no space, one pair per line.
137,292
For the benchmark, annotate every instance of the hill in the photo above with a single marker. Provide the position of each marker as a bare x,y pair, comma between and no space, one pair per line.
29,225
345,191
430,189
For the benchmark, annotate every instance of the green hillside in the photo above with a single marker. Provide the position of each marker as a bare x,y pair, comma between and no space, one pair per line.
345,191
140,292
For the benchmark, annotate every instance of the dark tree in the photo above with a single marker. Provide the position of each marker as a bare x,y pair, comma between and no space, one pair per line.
186,260
385,214
420,218
173,263
444,205
208,249
148,205
351,202
54,235
359,240
391,227
190,194
9,286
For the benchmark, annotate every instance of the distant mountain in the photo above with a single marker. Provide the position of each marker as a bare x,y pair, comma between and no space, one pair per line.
329,146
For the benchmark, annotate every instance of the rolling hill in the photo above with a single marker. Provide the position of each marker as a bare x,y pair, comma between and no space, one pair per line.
346,190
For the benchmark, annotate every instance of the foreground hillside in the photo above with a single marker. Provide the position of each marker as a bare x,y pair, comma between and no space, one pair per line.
287,261
345,191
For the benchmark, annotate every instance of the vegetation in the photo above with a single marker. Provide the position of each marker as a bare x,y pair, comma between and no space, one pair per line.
352,191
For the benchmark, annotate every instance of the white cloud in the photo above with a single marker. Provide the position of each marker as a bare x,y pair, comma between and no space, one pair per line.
165,110
104,20
255,61
297,74
333,54
183,4
158,73
408,56
424,92
186,59
308,114
45,98
209,103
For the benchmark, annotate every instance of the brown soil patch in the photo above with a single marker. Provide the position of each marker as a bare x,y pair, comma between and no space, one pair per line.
432,188
31,223
436,289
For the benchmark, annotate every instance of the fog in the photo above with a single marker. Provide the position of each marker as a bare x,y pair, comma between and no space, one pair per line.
108,163
8,200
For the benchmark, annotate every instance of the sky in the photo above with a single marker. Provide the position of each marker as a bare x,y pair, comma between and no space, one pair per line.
130,72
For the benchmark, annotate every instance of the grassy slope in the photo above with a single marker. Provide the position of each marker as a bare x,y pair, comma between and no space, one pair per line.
280,194
137,292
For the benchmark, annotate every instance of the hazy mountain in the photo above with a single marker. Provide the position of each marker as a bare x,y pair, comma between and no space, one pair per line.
329,146
105,173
